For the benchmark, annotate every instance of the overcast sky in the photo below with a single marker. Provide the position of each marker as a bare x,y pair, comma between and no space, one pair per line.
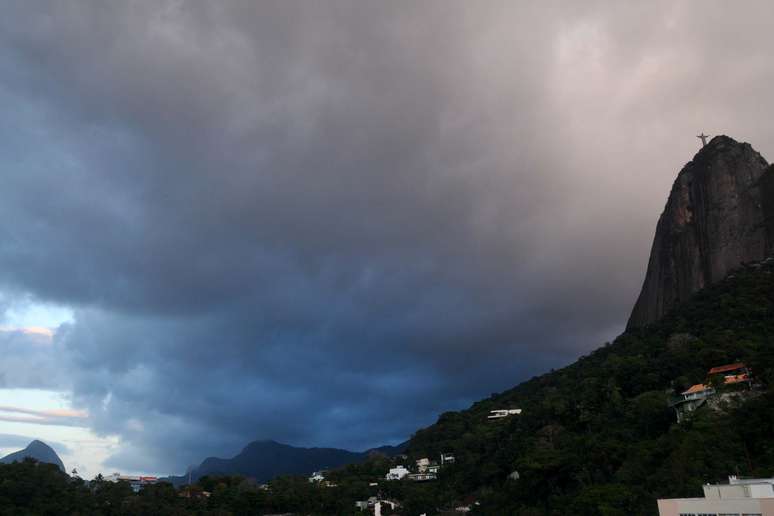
327,222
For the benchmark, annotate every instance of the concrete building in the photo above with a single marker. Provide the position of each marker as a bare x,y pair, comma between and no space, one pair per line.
422,477
425,465
318,476
396,473
501,413
378,506
136,482
740,497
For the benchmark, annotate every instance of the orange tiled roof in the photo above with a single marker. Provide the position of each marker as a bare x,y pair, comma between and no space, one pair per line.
725,368
695,388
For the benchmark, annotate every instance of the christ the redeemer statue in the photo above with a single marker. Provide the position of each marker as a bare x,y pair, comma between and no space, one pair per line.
703,137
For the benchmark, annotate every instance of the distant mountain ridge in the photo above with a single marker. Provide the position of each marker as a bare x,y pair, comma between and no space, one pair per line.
719,215
37,450
264,460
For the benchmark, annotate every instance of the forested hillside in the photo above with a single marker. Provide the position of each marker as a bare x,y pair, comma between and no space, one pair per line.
594,438
597,437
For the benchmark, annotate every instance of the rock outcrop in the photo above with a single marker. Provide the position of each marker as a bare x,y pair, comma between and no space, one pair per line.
720,214
37,450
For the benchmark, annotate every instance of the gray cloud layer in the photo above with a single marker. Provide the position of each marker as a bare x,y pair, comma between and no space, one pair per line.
327,222
29,360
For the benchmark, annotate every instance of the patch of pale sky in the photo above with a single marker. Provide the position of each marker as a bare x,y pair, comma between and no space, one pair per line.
85,450
32,316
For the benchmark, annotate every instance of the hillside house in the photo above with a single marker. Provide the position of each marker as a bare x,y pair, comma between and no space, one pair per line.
729,376
691,399
366,504
422,477
501,413
318,476
396,473
377,505
425,465
383,504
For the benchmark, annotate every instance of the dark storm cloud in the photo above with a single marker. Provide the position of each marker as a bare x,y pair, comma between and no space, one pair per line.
327,223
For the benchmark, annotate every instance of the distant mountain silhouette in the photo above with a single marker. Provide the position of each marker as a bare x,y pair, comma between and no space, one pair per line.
264,460
37,450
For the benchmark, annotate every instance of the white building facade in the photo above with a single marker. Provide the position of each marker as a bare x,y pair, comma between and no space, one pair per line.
396,473
740,497
317,476
135,482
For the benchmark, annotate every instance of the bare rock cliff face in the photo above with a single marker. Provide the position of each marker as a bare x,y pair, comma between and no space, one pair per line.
720,214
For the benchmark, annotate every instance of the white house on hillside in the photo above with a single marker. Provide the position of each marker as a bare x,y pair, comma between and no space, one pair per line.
501,413
317,476
396,473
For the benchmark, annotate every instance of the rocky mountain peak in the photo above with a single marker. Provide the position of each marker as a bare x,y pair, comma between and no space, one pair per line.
719,215
37,450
